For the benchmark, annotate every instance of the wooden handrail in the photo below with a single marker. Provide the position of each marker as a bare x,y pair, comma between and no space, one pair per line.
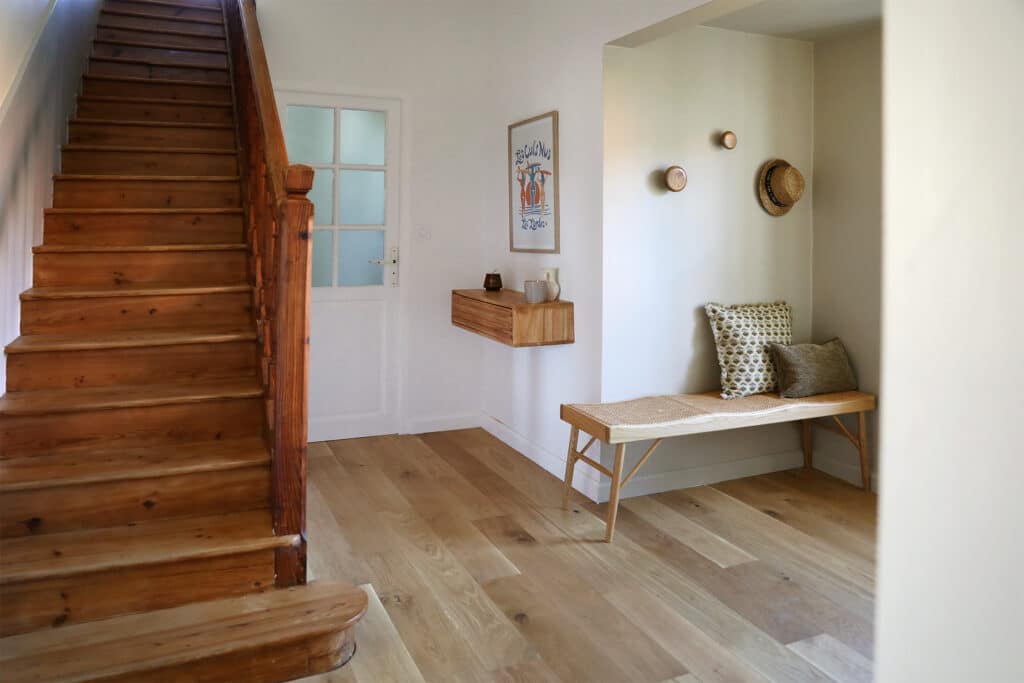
279,224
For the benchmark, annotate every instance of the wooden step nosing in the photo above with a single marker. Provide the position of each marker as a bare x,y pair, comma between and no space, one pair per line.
166,3
147,62
159,17
87,405
153,100
92,177
145,211
106,564
114,293
139,473
161,46
152,124
155,81
136,248
112,343
160,31
121,149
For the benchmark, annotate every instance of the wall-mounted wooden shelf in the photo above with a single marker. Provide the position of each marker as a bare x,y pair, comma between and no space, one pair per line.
505,317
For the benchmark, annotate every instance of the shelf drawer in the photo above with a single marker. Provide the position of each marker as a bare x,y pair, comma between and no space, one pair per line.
506,317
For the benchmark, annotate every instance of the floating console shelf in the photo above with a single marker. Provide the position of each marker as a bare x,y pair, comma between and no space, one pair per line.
505,317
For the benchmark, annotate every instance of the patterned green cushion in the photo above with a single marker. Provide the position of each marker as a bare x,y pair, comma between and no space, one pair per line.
742,335
809,369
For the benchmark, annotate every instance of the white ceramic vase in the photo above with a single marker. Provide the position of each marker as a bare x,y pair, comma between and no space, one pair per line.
550,275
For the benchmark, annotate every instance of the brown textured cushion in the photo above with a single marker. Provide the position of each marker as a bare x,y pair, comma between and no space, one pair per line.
809,369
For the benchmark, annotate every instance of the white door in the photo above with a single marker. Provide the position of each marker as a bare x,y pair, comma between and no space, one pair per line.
352,142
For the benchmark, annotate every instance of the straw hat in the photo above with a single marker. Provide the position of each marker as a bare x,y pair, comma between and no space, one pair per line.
779,186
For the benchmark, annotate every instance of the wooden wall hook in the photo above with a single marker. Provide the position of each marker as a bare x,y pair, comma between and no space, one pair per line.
675,178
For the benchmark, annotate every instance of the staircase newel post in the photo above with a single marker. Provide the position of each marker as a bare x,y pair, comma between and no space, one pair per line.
291,370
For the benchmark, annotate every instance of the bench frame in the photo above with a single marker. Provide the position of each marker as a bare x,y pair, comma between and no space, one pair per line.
582,423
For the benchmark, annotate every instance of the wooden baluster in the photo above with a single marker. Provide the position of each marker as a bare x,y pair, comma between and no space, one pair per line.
291,372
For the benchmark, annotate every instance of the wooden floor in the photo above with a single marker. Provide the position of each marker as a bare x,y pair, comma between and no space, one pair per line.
476,574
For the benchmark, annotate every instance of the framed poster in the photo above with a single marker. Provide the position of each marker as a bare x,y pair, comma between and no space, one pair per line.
533,184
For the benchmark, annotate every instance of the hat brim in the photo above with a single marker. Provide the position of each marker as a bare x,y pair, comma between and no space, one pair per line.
762,189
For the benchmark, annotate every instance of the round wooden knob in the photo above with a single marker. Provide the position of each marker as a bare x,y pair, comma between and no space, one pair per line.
729,140
675,178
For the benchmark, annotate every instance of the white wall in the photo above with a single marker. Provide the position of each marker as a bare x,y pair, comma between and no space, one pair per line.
464,71
38,102
848,220
950,593
21,22
667,254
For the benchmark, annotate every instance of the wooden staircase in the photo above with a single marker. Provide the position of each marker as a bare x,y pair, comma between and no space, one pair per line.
152,438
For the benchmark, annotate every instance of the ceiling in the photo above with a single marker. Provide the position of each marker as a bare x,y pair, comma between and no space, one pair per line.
802,19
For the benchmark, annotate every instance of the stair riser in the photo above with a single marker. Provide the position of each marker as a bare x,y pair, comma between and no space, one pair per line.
56,602
115,162
156,24
126,110
129,427
141,194
167,11
171,135
103,67
113,503
135,36
161,91
117,269
141,229
144,365
159,55
232,309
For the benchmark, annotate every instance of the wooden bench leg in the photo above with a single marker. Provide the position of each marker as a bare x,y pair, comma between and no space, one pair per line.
613,493
862,446
570,466
805,428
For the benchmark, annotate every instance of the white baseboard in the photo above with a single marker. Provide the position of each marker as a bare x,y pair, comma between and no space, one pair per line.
440,423
585,480
657,482
842,468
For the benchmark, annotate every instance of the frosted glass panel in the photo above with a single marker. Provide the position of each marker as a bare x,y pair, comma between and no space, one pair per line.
322,196
361,198
362,137
355,249
323,258
309,135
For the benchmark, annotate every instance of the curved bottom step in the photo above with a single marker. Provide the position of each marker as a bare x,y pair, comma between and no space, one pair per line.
267,637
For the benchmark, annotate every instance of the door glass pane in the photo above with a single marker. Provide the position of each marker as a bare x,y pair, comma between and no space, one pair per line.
323,258
322,196
361,198
309,134
362,137
355,249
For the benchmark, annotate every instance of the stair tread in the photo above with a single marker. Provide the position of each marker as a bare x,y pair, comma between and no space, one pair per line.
154,100
147,15
153,81
74,146
93,464
79,341
155,62
154,124
131,249
50,401
170,3
143,210
160,46
131,645
72,292
30,558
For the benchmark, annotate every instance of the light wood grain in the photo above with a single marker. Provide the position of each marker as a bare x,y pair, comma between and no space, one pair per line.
504,316
834,658
650,608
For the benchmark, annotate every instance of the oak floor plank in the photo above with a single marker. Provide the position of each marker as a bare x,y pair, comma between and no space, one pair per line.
483,577
834,658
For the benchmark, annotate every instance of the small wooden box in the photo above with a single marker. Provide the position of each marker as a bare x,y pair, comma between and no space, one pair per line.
505,316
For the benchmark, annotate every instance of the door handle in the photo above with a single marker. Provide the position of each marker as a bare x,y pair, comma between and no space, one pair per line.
383,261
